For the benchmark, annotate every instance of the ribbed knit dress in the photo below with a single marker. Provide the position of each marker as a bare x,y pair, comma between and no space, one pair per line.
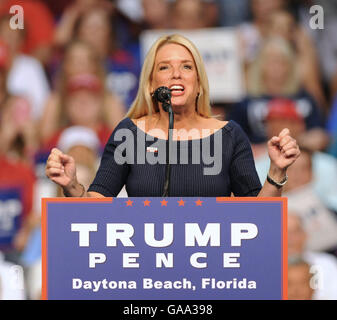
217,165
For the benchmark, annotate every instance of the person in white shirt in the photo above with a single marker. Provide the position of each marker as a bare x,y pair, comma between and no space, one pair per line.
26,76
11,281
323,265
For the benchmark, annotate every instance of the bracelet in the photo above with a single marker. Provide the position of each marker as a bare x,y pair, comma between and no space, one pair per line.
66,194
278,185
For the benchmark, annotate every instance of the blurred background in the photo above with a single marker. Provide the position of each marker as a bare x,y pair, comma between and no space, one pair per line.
68,77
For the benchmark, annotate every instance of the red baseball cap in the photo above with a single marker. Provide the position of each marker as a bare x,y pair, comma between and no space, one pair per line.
283,109
89,82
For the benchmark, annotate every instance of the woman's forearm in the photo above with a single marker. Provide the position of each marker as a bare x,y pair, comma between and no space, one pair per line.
76,189
269,190
79,191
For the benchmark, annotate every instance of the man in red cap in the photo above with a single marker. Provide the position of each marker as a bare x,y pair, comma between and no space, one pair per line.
283,113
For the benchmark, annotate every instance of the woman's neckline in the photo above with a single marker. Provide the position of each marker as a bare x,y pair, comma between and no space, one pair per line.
157,137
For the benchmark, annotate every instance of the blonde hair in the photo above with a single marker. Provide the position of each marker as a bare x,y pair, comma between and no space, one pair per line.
144,104
255,83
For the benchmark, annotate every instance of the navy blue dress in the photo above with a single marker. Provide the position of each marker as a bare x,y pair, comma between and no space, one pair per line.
217,165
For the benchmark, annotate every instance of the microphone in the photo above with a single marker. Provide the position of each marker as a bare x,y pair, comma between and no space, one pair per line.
162,94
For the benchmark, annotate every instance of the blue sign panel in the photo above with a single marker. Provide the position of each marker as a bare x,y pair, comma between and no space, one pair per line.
11,212
163,249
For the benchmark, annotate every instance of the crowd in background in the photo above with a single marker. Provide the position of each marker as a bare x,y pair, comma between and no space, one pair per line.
70,75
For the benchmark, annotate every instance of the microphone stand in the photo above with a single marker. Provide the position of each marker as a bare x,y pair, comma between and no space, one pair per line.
168,108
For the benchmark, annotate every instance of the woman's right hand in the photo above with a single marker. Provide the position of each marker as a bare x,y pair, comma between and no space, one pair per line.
61,169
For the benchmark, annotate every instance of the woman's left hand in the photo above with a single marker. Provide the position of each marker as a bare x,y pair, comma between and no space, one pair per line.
283,150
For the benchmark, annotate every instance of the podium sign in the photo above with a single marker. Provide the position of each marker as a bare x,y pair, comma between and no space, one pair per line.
164,249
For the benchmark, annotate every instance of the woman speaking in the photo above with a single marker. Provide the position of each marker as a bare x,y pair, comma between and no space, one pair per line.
175,63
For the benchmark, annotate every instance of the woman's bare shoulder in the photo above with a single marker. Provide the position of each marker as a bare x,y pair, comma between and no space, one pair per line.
214,123
148,119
